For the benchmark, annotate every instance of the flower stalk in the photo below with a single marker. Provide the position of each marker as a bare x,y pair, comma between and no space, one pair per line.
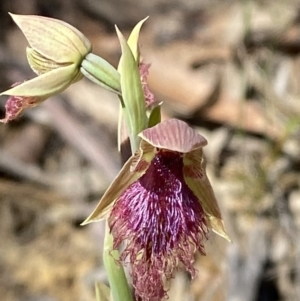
115,272
133,110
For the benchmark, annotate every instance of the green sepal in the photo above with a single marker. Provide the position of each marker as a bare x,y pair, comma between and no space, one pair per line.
47,84
54,39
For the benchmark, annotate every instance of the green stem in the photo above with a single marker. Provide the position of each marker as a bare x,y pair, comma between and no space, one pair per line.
115,272
133,136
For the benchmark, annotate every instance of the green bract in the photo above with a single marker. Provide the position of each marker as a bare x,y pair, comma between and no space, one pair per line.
132,100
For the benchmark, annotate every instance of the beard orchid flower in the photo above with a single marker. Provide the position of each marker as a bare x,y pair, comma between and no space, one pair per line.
161,206
55,55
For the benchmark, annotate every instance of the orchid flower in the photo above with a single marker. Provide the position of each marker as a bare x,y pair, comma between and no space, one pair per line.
162,206
60,55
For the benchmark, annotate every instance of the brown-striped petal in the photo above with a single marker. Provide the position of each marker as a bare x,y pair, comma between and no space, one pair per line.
132,170
174,135
196,178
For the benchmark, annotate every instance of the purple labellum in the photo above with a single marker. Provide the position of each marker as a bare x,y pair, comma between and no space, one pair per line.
162,222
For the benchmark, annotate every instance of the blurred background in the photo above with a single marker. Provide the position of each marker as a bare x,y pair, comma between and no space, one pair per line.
229,68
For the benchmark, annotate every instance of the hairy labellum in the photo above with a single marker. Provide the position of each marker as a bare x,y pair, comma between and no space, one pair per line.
15,105
144,72
163,223
161,206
